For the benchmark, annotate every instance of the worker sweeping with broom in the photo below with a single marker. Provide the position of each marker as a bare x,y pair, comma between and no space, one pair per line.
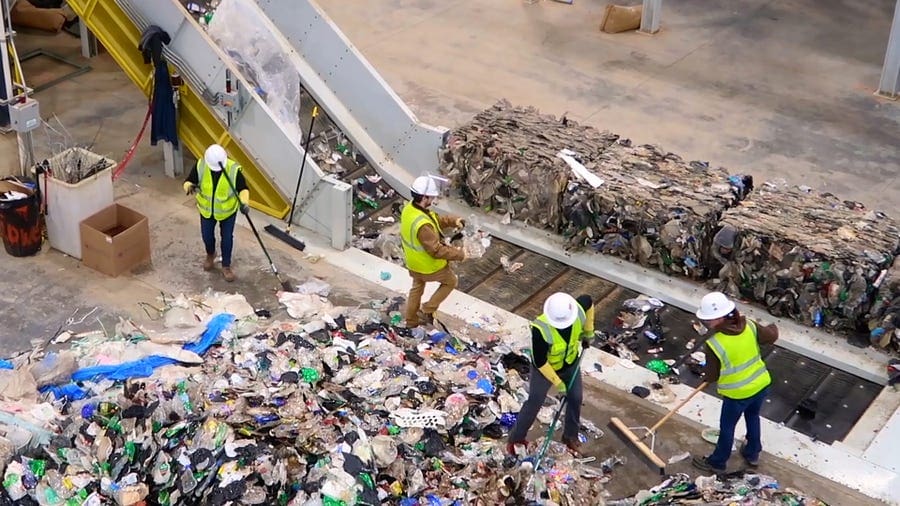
734,361
557,337
218,200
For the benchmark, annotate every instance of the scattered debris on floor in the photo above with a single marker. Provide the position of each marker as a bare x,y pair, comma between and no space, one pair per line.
739,488
216,406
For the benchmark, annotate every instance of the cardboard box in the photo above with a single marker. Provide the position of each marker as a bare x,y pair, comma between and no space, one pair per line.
115,240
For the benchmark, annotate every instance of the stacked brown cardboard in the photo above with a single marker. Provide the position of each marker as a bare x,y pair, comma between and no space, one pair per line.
595,188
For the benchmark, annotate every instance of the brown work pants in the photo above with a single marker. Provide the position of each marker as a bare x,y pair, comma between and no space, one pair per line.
445,277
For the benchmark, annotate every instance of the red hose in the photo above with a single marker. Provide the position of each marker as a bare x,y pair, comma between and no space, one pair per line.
130,153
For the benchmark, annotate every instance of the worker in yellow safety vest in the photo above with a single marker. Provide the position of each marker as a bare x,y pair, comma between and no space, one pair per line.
557,338
734,362
218,200
427,257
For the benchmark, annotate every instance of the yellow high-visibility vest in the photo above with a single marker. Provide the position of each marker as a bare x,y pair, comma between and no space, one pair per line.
743,373
222,201
417,259
562,352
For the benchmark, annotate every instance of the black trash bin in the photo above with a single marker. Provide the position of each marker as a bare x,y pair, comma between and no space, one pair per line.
20,222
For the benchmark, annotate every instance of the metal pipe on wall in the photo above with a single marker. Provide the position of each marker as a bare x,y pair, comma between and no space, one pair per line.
24,140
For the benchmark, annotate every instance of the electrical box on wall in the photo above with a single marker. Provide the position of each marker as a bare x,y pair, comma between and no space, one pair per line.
24,116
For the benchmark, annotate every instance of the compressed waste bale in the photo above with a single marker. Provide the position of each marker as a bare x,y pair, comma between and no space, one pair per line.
884,316
809,256
505,160
598,190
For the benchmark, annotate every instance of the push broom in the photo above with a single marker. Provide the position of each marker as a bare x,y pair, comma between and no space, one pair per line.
285,285
635,443
285,235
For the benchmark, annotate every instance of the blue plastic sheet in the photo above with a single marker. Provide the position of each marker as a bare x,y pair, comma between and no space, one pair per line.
6,364
144,368
70,392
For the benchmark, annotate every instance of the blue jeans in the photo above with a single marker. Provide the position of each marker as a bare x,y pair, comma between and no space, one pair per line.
732,409
226,229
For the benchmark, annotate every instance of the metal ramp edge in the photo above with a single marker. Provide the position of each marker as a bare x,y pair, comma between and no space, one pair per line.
247,129
354,95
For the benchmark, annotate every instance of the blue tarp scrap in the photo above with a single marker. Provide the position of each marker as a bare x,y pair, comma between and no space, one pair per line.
144,367
70,392
6,364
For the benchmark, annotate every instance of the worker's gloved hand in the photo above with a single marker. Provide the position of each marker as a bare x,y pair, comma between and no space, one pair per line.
189,188
460,223
245,209
561,388
464,257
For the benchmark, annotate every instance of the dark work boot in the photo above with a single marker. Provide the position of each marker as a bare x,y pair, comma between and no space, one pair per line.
209,262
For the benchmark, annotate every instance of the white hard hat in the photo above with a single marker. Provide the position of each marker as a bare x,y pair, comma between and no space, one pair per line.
714,305
561,310
427,186
214,156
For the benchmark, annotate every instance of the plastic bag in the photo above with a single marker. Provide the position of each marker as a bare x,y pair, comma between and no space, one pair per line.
314,286
241,30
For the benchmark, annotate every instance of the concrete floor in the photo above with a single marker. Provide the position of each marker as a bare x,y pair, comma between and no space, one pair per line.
774,89
676,436
39,293
102,107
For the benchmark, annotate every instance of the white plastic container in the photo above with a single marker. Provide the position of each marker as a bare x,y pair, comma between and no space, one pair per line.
69,204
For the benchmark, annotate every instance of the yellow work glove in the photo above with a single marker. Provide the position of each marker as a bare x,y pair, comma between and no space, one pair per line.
189,188
588,330
244,197
552,377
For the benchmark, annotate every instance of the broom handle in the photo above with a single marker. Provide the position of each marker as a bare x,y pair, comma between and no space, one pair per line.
312,121
676,408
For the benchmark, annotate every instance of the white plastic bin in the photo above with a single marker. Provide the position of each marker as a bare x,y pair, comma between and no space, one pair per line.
69,204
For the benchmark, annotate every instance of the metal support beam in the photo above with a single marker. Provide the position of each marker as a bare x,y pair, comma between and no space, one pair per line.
650,16
174,159
88,41
889,85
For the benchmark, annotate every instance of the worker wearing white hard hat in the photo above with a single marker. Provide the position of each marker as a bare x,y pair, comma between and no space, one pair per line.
734,361
426,255
221,192
558,336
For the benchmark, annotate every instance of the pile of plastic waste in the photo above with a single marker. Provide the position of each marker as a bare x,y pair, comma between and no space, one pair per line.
595,188
746,489
333,406
809,256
